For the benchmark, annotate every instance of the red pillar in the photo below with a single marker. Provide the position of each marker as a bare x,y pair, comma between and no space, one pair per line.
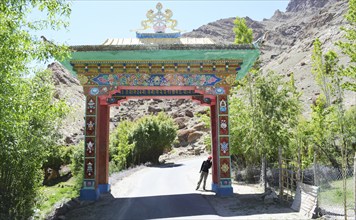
223,146
90,189
102,156
214,146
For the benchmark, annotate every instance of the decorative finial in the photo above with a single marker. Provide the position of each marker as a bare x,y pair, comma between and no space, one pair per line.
159,21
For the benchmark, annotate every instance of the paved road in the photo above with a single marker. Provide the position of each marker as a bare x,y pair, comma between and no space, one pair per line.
154,193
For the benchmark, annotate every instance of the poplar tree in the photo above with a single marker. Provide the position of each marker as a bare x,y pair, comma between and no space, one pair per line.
260,128
29,115
348,47
243,34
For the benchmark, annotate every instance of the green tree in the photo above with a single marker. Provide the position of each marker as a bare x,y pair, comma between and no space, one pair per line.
349,47
321,123
328,118
29,115
262,124
331,132
152,135
77,165
29,124
121,147
243,34
320,71
18,46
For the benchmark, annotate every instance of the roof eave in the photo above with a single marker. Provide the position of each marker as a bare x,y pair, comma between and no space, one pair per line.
82,48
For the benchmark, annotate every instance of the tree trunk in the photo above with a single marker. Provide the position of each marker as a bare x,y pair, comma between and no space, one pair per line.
280,173
355,183
316,180
263,181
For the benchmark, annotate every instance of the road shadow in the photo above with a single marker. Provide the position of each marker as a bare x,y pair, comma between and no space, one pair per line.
175,206
166,165
246,205
150,207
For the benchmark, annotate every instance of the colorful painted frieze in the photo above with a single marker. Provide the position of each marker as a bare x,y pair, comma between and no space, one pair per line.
225,182
223,106
225,171
89,146
90,126
223,125
154,80
91,105
166,66
224,146
89,168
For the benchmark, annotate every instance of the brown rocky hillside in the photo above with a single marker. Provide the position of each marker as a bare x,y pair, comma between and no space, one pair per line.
289,40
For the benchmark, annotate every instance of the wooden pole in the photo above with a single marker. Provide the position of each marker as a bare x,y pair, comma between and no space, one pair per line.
355,183
280,173
316,182
299,174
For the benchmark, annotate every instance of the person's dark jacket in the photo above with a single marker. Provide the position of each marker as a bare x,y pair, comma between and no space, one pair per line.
205,166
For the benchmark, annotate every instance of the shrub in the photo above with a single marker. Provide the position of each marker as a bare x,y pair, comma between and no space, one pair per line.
120,147
152,135
77,165
56,157
141,141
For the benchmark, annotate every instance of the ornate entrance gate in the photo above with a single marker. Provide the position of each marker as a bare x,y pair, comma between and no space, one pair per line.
156,65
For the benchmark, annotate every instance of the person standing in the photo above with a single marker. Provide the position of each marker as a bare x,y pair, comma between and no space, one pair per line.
204,171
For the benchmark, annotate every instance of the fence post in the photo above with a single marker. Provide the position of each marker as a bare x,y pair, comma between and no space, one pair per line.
316,181
355,183
299,174
264,172
280,173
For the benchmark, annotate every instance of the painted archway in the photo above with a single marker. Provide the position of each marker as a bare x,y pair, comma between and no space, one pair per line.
157,65
111,76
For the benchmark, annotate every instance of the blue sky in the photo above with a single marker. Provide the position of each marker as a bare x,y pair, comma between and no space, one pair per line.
92,22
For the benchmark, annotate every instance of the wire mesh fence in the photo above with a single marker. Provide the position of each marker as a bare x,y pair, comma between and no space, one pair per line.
336,197
336,187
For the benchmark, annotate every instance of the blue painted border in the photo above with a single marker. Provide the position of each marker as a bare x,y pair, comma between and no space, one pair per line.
158,35
224,191
104,188
89,194
214,187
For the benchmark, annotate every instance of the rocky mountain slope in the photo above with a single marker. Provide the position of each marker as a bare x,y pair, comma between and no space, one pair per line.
289,40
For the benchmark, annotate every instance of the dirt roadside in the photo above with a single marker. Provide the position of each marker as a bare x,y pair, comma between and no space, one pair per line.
246,203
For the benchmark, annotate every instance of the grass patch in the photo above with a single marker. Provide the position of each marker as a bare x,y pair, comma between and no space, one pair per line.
333,195
52,195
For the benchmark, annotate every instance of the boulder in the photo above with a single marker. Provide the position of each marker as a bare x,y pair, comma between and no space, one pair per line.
167,108
183,136
179,102
177,114
154,109
180,122
189,113
203,111
192,137
201,127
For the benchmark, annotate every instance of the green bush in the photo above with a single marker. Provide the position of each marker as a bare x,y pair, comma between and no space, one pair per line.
120,147
77,164
205,118
152,135
114,167
141,141
55,158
